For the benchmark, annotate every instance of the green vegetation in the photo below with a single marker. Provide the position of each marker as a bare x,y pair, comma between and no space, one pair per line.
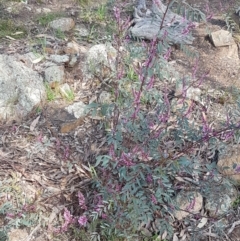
83,2
94,15
9,28
24,215
46,18
51,93
236,203
69,95
59,34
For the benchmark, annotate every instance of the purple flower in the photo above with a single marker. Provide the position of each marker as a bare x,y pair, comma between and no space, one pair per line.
126,160
10,215
153,198
149,178
68,220
237,169
81,201
104,216
82,220
167,54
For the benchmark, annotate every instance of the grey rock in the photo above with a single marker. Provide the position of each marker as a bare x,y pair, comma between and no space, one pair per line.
189,201
229,164
100,56
63,24
21,88
238,11
81,31
148,22
222,38
59,59
146,232
54,74
18,235
218,203
105,97
191,92
77,109
43,10
72,48
73,61
31,58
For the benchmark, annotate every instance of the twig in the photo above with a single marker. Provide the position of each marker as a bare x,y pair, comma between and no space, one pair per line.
233,226
34,231
227,238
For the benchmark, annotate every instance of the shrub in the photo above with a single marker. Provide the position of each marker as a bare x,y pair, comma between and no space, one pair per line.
156,136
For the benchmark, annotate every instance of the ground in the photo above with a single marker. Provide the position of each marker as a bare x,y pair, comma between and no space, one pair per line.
46,175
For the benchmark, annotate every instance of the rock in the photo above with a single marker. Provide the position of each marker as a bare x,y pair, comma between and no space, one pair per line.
101,60
21,88
146,232
233,52
31,58
61,117
73,61
82,31
59,59
230,165
179,107
54,74
219,202
67,127
189,201
62,24
18,235
72,48
77,109
191,92
43,10
218,206
147,23
238,11
222,38
105,97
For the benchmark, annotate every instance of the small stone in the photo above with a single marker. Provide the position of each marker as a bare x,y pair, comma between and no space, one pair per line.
67,127
46,10
189,201
146,232
18,235
62,24
230,165
77,109
72,48
191,92
105,97
43,10
59,59
233,52
218,203
73,61
100,60
82,31
54,74
222,38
